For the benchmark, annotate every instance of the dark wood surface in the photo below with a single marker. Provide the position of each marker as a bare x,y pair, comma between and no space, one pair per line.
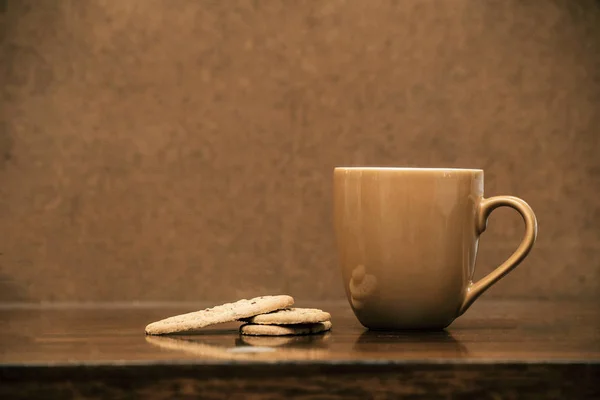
503,348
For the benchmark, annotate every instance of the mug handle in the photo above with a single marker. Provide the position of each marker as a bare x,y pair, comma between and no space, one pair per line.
485,209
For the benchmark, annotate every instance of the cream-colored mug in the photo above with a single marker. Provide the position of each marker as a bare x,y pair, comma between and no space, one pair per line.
407,242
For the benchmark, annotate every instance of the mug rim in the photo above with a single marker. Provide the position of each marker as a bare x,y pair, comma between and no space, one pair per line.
357,168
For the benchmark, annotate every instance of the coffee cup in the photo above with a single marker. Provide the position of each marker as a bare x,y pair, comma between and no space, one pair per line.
407,243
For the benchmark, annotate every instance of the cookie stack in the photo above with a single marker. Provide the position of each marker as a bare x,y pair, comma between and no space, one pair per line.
262,316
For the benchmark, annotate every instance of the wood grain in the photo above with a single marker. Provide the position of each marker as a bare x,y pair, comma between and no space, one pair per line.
505,349
488,381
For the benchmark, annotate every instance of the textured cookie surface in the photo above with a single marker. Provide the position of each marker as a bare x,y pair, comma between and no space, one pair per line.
219,314
291,316
284,330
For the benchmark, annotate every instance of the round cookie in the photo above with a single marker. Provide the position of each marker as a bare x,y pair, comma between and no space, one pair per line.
219,314
284,330
290,316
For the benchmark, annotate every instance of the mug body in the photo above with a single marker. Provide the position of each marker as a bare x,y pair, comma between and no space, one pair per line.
407,242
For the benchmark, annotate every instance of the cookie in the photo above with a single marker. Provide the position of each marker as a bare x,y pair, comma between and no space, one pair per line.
284,330
219,314
290,316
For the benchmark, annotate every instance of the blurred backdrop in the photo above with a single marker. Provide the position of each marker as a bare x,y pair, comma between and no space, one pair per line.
183,150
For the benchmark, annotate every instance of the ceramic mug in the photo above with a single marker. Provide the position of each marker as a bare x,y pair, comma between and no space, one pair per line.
407,243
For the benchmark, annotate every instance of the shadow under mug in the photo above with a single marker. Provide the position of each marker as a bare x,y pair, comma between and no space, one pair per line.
407,242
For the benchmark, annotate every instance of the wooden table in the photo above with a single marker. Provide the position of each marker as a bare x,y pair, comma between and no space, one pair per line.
515,349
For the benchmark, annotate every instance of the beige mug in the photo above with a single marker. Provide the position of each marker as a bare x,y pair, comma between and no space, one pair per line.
407,242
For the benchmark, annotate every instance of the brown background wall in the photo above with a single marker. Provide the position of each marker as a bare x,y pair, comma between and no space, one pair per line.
183,150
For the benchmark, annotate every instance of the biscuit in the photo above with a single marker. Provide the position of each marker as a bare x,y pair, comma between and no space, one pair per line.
284,330
219,314
290,316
